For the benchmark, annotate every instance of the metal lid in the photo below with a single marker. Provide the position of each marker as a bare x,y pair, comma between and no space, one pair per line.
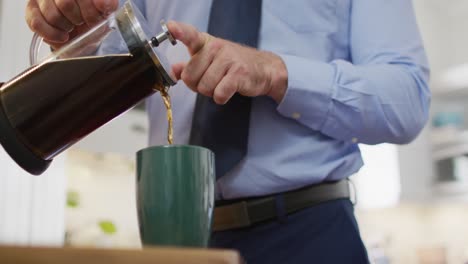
135,32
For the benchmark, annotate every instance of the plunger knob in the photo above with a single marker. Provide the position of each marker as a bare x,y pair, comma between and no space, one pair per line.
164,35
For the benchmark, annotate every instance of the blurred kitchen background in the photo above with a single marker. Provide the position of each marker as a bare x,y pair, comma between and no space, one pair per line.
412,201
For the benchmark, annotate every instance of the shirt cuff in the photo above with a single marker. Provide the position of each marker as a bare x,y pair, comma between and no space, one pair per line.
310,89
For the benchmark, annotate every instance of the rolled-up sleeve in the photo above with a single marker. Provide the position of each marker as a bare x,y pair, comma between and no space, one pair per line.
380,95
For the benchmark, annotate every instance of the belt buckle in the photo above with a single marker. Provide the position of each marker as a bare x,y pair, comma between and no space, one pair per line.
231,216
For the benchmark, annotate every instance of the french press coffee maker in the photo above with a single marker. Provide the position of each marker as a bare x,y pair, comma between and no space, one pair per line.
78,88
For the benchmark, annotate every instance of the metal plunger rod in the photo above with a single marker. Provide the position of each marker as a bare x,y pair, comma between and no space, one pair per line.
164,35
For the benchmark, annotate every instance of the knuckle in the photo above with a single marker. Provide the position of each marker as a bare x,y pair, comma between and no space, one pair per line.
227,48
232,89
205,90
31,4
202,86
90,19
215,44
188,79
224,93
210,51
35,24
226,55
53,17
66,6
221,98
239,69
91,16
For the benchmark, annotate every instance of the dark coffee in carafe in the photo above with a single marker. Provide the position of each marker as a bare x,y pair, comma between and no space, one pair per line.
60,102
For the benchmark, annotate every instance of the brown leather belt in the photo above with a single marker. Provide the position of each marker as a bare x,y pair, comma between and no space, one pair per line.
244,213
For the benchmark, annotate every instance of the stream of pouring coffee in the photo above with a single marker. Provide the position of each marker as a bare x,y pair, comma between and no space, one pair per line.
167,102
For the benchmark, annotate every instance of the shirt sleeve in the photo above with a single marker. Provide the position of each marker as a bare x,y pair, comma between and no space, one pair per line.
380,95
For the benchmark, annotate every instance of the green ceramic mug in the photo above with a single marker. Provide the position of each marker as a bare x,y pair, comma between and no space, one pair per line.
175,195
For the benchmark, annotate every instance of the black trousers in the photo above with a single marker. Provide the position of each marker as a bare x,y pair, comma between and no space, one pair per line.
325,233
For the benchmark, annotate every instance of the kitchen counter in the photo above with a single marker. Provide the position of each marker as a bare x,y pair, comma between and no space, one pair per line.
23,255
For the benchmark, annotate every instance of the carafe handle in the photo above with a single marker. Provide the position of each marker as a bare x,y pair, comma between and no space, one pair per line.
36,44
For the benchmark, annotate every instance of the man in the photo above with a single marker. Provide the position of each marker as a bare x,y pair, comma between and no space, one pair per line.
322,75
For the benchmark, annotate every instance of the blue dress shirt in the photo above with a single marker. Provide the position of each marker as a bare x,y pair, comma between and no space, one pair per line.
357,74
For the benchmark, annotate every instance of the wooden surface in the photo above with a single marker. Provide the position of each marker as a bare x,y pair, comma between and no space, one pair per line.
17,255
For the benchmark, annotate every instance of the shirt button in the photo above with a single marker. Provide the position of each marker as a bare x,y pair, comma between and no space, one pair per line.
296,115
354,140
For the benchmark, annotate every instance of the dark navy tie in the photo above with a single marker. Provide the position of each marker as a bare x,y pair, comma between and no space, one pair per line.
225,129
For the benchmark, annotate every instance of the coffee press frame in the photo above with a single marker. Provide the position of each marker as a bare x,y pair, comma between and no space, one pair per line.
136,40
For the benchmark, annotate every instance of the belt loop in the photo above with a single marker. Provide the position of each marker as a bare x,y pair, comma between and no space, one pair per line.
280,208
353,192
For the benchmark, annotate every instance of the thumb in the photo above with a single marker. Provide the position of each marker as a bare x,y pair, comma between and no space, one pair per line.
193,39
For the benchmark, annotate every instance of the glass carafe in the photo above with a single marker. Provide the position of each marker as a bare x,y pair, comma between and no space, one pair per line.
81,86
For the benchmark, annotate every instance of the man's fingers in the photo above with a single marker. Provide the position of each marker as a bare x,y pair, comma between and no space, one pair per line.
200,62
204,73
53,16
177,69
38,24
226,88
55,20
106,7
212,77
71,10
90,14
189,35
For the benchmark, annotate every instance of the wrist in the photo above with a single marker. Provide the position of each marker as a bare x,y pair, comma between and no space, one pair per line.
278,78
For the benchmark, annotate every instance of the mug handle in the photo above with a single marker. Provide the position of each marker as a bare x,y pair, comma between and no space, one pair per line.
36,44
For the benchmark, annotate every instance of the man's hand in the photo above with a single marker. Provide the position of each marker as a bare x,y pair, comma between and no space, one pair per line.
219,68
57,21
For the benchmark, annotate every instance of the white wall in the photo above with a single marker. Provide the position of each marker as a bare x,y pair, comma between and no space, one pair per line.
445,35
31,208
443,29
